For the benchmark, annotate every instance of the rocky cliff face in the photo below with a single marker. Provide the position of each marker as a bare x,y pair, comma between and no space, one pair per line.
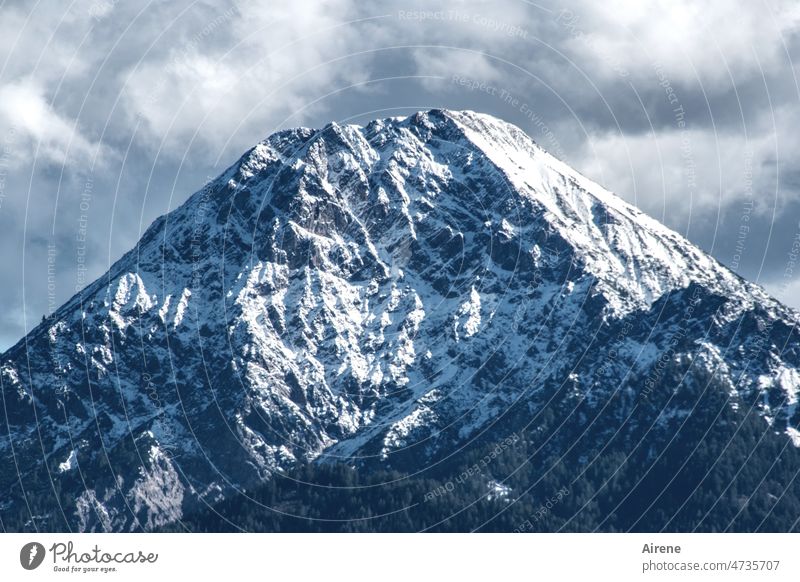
380,295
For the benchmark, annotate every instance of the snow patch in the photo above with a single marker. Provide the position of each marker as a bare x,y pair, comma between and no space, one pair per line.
793,434
180,310
70,463
469,315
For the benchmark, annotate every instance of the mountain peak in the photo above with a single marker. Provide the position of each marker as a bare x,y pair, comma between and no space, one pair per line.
380,294
634,258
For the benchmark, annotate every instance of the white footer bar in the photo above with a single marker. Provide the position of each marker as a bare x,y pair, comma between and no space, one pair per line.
399,557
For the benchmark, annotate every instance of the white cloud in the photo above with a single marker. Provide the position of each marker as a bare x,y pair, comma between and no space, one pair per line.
691,40
787,291
675,173
56,139
272,67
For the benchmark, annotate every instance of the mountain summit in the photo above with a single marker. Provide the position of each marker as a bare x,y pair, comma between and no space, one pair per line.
380,296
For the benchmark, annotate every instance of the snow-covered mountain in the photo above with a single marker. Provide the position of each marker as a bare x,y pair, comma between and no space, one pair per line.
380,295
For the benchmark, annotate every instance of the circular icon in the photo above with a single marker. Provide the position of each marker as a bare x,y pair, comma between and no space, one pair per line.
31,555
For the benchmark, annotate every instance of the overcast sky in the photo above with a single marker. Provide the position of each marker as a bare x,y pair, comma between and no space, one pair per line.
112,112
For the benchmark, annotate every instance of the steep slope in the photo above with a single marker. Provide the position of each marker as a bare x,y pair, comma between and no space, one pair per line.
380,295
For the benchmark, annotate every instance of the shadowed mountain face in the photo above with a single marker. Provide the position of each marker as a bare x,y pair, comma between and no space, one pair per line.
381,296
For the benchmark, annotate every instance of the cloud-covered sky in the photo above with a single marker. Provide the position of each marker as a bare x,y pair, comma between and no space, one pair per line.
112,113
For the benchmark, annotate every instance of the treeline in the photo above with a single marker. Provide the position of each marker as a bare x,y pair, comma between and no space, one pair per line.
710,469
